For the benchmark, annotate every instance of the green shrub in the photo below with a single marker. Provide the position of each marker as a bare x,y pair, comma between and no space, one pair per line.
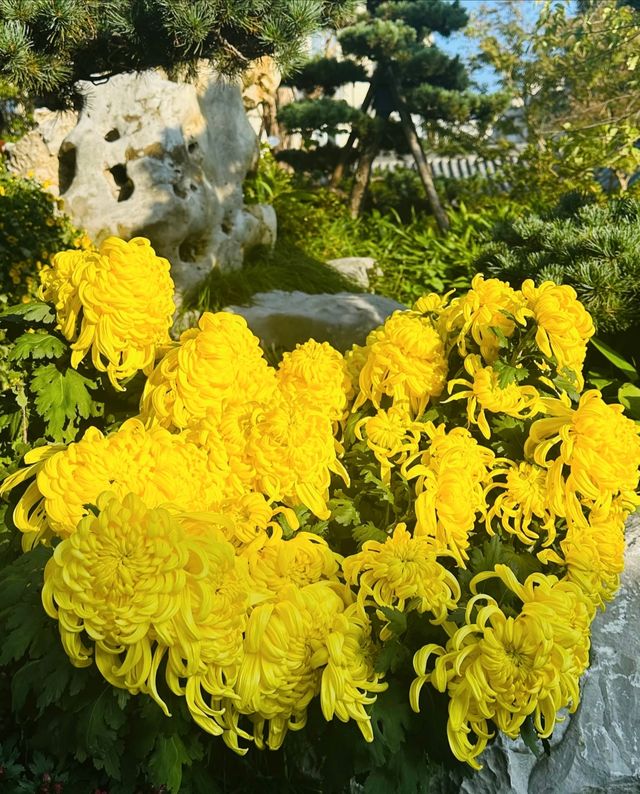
32,229
314,225
593,248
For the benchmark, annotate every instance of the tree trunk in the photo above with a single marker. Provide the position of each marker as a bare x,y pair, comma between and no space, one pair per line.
362,177
338,172
424,169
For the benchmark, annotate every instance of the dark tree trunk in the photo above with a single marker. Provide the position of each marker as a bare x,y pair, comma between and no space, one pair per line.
424,169
338,172
362,177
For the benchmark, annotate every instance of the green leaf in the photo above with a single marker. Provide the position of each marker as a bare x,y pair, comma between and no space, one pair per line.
34,312
616,359
367,532
567,381
391,657
397,620
343,512
166,762
37,345
502,339
629,396
62,398
530,737
508,374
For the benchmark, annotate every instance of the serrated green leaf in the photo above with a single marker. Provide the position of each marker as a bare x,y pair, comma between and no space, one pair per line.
166,762
61,399
367,532
34,312
508,374
343,512
392,655
397,620
37,345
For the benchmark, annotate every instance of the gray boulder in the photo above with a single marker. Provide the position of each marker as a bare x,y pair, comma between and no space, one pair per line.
161,159
357,268
283,319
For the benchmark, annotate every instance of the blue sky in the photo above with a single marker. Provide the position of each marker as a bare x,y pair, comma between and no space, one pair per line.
459,44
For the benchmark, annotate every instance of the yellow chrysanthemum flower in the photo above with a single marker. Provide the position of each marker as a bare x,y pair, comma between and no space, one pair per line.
564,325
275,563
392,435
432,303
294,453
488,306
354,360
403,569
349,680
150,463
136,584
116,303
316,374
600,446
452,475
277,681
503,669
521,503
484,393
405,362
593,553
215,365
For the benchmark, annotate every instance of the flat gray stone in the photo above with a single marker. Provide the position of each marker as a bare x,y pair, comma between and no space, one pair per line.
284,319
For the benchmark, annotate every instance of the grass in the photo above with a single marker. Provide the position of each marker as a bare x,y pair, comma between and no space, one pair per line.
287,267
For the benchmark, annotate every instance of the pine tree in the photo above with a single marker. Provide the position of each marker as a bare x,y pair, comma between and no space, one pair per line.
47,45
593,248
409,77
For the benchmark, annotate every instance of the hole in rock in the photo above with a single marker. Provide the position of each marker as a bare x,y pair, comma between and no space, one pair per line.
192,249
112,135
66,166
123,181
192,147
179,190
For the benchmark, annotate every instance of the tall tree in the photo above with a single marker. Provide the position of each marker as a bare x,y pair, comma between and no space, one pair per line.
574,79
47,45
414,89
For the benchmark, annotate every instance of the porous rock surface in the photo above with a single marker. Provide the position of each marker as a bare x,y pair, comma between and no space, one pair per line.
165,160
283,319
597,749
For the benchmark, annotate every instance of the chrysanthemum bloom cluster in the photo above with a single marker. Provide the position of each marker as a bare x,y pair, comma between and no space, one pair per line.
564,325
275,428
115,304
143,585
259,537
504,669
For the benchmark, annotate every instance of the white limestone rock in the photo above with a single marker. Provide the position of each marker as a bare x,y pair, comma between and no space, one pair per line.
36,153
357,268
165,160
284,319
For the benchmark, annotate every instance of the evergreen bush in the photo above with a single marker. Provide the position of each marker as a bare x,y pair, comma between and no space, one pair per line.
593,248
